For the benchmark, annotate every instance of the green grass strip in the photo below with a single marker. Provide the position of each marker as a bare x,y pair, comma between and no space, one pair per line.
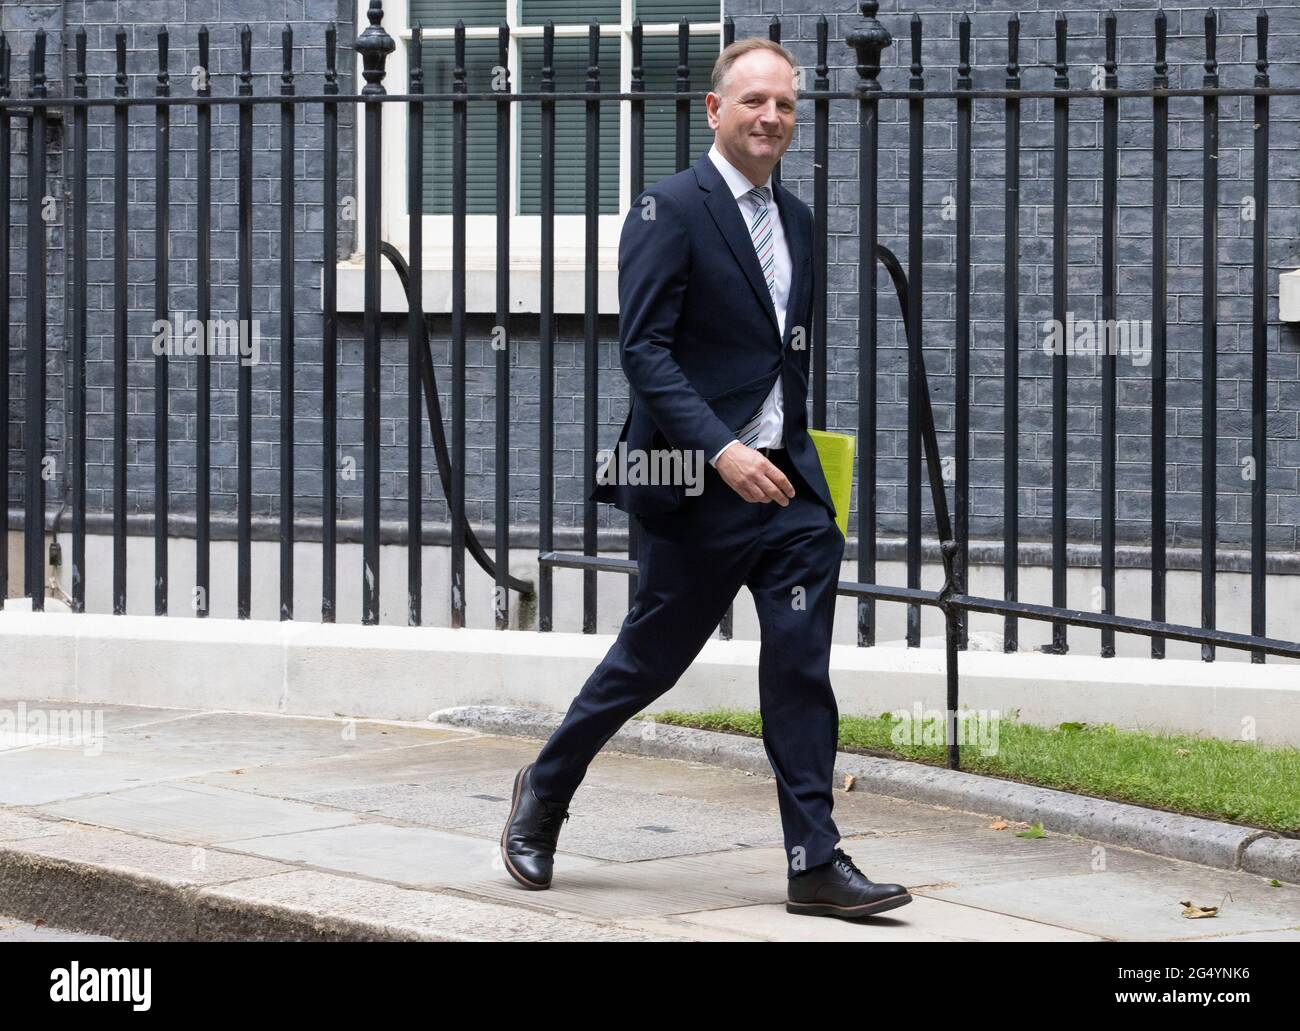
1237,781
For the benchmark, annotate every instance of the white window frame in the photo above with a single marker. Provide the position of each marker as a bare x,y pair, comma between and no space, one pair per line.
525,230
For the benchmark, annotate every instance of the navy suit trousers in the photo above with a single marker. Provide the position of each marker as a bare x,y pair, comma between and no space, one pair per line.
691,564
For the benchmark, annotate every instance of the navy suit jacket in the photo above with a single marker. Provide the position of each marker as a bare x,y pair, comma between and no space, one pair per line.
699,339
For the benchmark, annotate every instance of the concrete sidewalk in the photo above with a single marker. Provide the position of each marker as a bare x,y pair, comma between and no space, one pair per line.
183,824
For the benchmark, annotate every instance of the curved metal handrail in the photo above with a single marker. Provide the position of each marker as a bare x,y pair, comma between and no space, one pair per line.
525,587
439,435
929,440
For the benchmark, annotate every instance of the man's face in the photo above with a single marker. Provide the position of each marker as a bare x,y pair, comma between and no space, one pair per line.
753,115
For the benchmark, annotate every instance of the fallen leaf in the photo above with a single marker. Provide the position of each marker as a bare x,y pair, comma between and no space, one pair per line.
999,825
1035,831
849,781
1196,912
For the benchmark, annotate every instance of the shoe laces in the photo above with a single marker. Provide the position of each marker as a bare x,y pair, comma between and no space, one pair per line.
845,862
551,814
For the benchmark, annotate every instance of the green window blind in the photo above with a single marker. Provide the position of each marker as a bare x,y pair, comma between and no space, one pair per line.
674,10
443,14
659,54
481,134
570,65
660,69
568,12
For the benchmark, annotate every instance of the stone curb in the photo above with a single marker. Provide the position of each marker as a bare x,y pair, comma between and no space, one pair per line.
1226,846
130,888
133,906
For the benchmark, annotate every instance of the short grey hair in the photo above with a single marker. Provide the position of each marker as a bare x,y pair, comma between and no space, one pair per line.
743,46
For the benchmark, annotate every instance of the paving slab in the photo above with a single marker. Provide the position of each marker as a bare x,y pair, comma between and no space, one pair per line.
39,776
221,826
388,911
1142,903
698,809
308,779
921,920
30,716
387,852
196,813
150,746
660,887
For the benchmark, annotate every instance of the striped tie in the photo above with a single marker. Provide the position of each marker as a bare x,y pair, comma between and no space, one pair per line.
748,433
760,232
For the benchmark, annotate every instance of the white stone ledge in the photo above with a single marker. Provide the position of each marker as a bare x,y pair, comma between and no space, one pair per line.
1288,301
480,289
400,672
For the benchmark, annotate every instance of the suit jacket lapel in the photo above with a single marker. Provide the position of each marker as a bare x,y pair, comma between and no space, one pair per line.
726,214
785,203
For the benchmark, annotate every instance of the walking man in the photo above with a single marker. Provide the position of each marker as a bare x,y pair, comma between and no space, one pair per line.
715,298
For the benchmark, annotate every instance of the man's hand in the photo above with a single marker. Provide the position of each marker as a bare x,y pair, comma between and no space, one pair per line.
753,477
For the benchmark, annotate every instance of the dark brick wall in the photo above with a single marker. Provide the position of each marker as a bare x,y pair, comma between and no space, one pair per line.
308,19
1236,51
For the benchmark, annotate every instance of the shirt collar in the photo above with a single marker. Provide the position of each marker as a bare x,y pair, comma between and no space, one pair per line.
736,179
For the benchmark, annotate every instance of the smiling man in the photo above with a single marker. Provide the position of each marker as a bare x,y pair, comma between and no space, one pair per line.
715,294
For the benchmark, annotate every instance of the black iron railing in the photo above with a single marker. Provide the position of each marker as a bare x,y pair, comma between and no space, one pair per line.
31,115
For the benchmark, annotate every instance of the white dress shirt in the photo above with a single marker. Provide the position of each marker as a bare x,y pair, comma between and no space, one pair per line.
771,424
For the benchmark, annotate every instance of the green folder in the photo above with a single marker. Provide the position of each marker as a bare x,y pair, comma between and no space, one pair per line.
836,453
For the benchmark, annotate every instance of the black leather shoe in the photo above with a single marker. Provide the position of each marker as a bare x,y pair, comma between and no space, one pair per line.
528,841
839,888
